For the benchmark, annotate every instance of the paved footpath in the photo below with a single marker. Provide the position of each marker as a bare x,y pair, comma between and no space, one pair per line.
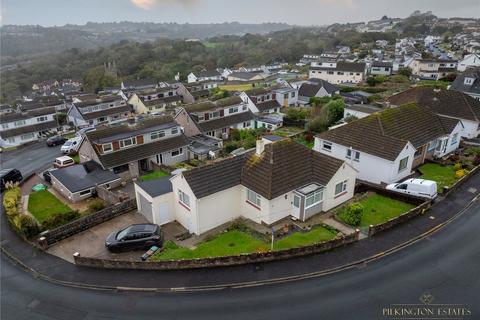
60,270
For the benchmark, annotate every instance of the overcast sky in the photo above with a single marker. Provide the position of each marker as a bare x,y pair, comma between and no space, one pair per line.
300,12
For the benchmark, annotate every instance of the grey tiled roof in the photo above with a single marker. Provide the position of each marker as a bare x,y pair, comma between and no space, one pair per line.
27,129
224,122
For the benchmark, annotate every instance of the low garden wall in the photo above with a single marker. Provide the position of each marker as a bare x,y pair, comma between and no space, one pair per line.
51,236
217,261
400,219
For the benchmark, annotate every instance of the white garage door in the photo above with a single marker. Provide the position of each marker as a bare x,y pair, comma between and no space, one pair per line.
145,207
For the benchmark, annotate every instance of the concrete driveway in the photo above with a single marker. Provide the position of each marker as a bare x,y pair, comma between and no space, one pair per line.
91,243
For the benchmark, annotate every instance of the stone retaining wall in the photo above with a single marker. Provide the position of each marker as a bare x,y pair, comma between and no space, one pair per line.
51,236
217,261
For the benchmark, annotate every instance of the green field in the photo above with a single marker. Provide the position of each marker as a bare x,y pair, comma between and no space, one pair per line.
378,209
43,204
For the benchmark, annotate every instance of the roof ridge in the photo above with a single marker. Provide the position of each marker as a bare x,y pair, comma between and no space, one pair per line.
469,106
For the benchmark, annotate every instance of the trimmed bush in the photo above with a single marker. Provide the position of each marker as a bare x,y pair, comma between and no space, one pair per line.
11,199
59,219
353,213
459,173
27,225
96,205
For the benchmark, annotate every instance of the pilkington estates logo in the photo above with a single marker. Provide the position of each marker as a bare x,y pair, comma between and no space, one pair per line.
427,310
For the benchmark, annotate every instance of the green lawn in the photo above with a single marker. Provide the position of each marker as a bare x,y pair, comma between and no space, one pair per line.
299,239
76,158
236,87
306,143
43,204
70,135
229,243
443,175
154,175
378,209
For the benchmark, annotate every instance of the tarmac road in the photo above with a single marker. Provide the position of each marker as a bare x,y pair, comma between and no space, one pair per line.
30,159
446,265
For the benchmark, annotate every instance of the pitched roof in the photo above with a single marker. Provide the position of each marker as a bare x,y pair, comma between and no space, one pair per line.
211,105
83,176
162,100
382,64
267,105
283,166
142,151
224,122
444,102
257,91
286,165
139,83
105,112
311,88
365,108
385,134
208,73
114,132
27,129
474,87
215,177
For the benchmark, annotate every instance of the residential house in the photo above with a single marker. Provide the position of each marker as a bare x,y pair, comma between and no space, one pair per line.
432,69
286,96
138,84
247,76
261,100
315,88
195,91
6,109
202,147
205,75
468,82
130,149
215,119
80,181
446,103
341,72
155,100
469,61
254,185
60,104
17,128
381,68
103,110
360,110
385,146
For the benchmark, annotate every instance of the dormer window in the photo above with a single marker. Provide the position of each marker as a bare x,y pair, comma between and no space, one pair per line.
107,148
468,81
128,142
157,135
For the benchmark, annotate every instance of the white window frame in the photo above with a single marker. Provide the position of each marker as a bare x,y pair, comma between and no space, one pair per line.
179,150
157,135
174,130
400,169
325,143
27,136
254,198
233,110
184,198
19,123
107,145
42,119
343,187
432,145
5,126
454,139
356,156
317,198
133,141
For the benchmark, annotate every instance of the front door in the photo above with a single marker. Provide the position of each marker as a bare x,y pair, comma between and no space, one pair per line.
296,206
159,159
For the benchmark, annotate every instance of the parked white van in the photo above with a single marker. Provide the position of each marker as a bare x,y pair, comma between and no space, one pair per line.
416,187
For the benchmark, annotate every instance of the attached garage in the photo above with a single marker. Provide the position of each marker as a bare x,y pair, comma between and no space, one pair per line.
155,200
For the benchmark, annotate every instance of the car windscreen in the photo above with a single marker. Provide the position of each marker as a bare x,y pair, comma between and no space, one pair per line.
68,143
122,233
